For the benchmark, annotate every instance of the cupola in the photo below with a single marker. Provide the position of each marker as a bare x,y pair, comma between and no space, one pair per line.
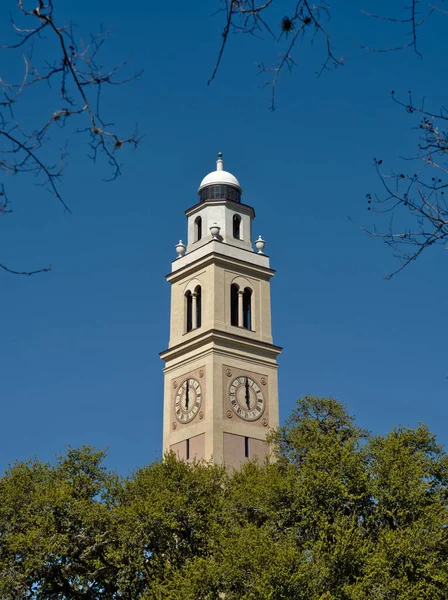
220,185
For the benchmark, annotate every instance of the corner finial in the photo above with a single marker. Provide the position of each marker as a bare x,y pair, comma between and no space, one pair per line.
219,162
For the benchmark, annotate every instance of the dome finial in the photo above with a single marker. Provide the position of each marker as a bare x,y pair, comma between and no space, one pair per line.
219,162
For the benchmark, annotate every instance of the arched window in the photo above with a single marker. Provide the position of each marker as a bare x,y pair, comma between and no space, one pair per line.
236,227
189,310
197,291
234,304
197,229
247,309
193,308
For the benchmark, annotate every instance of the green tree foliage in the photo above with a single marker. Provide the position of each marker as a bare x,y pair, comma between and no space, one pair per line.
339,515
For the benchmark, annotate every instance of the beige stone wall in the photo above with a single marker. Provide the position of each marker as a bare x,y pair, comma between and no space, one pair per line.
235,449
210,352
199,367
215,280
226,421
220,212
197,447
214,362
258,449
180,450
178,320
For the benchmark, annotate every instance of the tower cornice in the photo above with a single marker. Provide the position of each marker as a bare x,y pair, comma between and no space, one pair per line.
210,253
222,339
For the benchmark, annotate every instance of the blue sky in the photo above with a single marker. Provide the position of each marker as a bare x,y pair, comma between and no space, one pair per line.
79,346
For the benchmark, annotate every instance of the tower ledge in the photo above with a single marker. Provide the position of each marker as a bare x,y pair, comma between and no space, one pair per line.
221,249
217,338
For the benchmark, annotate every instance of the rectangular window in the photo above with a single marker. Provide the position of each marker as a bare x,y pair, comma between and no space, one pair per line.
246,447
188,450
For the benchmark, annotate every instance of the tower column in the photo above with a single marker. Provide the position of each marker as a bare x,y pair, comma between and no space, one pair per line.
194,311
240,308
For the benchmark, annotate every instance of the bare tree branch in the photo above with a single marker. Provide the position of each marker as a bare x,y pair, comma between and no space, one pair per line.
72,66
225,35
8,270
305,20
414,20
419,201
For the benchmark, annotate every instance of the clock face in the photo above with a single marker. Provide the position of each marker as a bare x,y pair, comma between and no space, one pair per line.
188,400
246,398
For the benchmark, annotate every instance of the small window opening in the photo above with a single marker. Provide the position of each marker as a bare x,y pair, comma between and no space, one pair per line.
189,310
234,305
188,449
219,192
197,229
247,309
246,447
198,306
237,227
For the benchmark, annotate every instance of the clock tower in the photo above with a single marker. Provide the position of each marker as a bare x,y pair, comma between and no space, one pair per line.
221,387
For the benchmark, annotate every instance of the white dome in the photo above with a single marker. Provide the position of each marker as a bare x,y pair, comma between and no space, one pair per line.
216,177
220,177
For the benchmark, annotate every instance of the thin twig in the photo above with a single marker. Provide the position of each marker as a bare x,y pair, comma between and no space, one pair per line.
13,272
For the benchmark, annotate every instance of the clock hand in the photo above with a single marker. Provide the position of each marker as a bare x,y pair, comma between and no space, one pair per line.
187,396
247,394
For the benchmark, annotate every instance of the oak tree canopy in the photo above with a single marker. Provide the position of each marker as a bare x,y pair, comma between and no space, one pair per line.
341,515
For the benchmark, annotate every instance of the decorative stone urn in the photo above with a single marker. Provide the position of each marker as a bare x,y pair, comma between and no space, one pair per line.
260,244
214,230
180,249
